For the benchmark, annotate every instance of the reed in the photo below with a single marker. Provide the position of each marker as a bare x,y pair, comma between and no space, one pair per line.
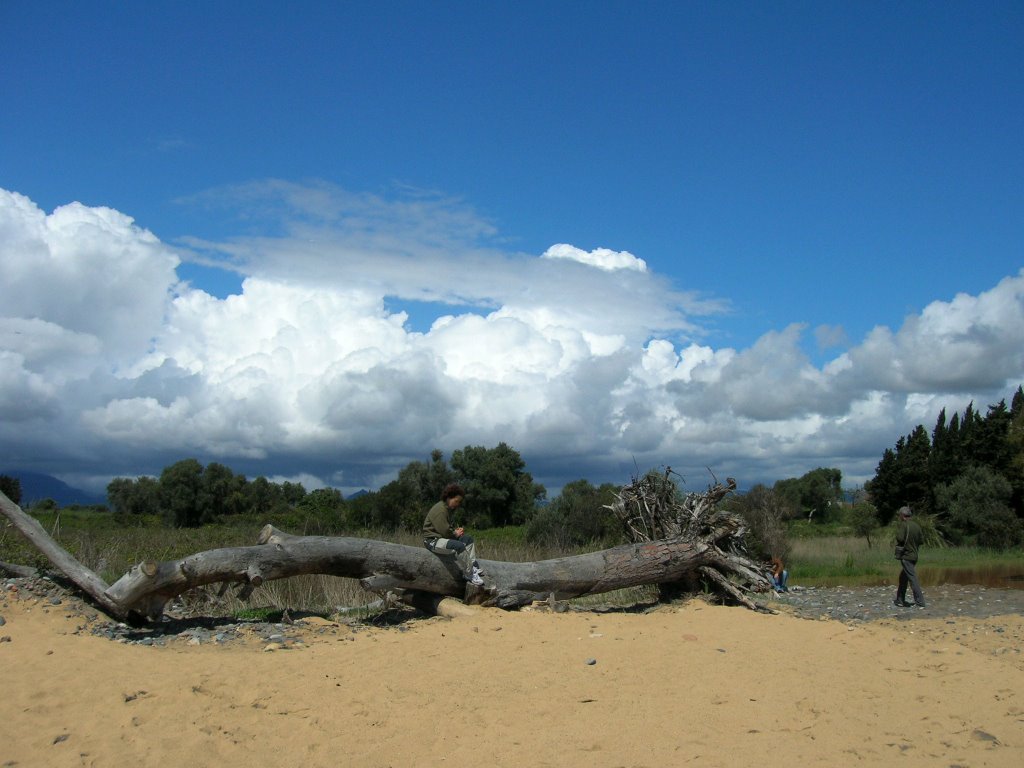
830,561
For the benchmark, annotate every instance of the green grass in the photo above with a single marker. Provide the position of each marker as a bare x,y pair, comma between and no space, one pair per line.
848,561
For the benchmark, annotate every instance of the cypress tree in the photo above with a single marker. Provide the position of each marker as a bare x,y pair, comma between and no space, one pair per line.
991,449
882,489
943,465
913,471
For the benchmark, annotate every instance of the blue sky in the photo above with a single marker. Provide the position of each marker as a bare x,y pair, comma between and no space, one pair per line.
792,232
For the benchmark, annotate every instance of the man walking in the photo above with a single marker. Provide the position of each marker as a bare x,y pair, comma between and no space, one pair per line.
909,538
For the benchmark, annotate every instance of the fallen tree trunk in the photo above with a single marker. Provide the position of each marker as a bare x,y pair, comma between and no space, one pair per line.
382,566
84,578
18,571
702,550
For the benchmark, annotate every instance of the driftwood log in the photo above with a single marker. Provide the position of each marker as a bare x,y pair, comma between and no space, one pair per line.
85,579
675,543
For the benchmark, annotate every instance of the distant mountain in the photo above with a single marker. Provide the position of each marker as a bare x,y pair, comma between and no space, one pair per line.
36,487
357,494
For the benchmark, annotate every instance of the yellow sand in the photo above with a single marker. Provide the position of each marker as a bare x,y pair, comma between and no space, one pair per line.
694,684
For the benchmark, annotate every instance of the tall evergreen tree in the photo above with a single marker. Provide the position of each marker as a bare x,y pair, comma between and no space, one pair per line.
903,477
1015,452
991,449
970,434
943,464
913,472
883,487
1017,402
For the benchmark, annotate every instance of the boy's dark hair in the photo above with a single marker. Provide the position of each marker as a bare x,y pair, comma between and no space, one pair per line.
451,491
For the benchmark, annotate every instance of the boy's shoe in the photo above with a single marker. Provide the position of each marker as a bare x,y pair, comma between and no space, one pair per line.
902,604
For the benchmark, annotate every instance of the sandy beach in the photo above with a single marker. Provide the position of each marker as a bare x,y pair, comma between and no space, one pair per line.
685,684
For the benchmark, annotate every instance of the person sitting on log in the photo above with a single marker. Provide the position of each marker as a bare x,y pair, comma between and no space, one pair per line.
442,539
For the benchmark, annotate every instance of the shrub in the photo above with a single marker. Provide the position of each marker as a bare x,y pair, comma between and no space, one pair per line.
976,505
863,519
577,516
765,511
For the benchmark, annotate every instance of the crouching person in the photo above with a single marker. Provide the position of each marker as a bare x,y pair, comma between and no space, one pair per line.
442,539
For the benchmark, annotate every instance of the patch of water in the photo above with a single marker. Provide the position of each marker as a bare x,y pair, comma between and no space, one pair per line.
1005,576
1008,576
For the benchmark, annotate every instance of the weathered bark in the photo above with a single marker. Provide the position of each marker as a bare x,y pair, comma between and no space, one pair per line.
382,566
86,580
18,571
703,549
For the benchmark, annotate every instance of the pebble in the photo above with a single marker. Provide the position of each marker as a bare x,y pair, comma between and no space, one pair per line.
860,604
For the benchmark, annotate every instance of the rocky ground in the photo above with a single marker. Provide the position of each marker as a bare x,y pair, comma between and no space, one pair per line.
859,604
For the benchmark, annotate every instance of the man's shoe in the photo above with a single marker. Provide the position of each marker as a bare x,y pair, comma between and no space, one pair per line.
476,577
903,604
920,605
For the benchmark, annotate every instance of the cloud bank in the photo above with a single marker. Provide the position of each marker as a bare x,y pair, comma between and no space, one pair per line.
588,363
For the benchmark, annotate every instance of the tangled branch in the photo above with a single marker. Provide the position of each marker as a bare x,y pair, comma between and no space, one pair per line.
651,508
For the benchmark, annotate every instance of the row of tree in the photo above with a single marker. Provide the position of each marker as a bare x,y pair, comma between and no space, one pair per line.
969,474
187,494
499,490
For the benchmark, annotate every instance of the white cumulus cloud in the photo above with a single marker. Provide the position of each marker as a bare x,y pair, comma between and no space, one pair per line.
602,258
109,365
88,271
